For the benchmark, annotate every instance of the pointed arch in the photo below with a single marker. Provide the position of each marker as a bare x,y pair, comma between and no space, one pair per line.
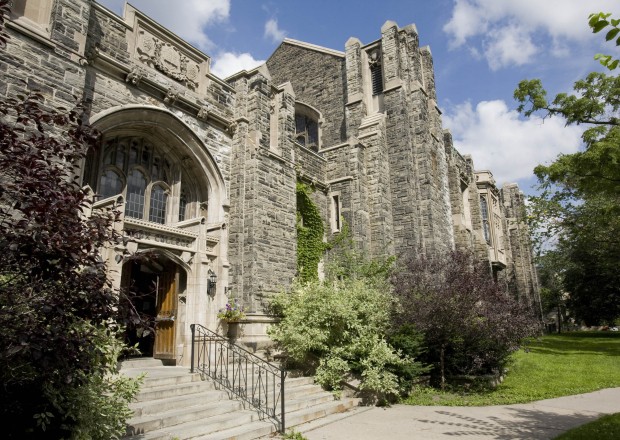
175,139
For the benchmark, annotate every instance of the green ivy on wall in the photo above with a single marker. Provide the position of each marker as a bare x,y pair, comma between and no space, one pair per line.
310,231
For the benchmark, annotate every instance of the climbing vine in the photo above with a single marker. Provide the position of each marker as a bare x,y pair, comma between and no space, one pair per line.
310,231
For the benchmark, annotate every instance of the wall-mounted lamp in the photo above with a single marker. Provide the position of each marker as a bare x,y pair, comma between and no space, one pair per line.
211,283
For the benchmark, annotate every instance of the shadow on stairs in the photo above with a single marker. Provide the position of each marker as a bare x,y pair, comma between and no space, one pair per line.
176,404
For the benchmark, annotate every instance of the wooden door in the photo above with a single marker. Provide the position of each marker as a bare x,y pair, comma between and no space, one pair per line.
166,315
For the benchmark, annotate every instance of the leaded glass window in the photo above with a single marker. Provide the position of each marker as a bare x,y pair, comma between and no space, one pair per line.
136,189
307,131
138,169
157,210
110,184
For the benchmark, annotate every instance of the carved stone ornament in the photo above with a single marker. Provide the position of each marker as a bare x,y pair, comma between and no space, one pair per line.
166,58
374,58
232,128
171,96
203,113
135,76
92,54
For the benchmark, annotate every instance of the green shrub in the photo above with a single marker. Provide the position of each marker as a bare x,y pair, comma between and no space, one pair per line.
340,329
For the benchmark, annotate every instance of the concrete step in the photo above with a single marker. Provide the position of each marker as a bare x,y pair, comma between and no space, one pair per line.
200,428
305,415
142,362
174,403
162,392
182,401
176,416
306,401
162,376
250,431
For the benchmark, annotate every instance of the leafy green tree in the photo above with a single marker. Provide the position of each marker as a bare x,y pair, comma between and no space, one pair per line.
590,246
601,21
578,203
550,269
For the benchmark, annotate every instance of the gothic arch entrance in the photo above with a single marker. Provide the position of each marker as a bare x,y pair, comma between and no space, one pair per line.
159,174
155,283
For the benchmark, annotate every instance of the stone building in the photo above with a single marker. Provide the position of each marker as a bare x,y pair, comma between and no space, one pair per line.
205,168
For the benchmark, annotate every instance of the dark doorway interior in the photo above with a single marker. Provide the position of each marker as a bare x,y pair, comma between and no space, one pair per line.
142,281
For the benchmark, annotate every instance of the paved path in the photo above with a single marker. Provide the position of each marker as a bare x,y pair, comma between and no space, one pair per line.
545,419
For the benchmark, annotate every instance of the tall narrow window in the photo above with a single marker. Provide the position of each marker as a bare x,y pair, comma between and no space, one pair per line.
336,223
485,219
157,208
182,205
376,77
307,131
136,187
376,72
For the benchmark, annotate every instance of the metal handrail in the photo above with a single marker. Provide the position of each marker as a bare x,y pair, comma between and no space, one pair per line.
250,378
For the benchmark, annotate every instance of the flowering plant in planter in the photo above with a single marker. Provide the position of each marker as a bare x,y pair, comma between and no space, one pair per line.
233,311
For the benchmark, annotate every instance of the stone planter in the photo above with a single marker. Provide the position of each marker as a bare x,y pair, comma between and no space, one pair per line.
233,332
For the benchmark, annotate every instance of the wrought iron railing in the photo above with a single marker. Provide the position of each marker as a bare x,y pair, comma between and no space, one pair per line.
244,374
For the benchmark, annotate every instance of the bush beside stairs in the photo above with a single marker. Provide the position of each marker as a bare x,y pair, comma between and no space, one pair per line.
176,404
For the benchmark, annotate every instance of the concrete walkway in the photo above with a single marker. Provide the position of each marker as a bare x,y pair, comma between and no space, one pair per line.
545,419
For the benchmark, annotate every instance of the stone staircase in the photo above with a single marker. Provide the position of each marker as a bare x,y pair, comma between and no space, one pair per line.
176,404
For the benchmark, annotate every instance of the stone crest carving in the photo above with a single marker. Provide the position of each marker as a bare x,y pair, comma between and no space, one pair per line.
166,58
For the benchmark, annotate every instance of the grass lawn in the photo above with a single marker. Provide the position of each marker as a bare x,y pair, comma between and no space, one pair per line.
552,366
605,428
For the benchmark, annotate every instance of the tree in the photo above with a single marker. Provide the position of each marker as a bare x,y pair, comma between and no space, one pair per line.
598,22
579,198
60,340
550,270
470,323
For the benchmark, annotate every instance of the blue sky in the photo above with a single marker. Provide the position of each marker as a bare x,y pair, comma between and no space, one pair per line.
481,50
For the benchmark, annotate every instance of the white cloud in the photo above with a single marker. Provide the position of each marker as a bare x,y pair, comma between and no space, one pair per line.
504,144
227,63
188,20
491,23
273,32
511,46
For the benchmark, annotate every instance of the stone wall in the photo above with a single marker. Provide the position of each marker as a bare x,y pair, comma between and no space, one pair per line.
317,77
263,242
522,272
400,184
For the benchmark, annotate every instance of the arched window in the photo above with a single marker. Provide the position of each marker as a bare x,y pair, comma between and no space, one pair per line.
137,168
307,126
